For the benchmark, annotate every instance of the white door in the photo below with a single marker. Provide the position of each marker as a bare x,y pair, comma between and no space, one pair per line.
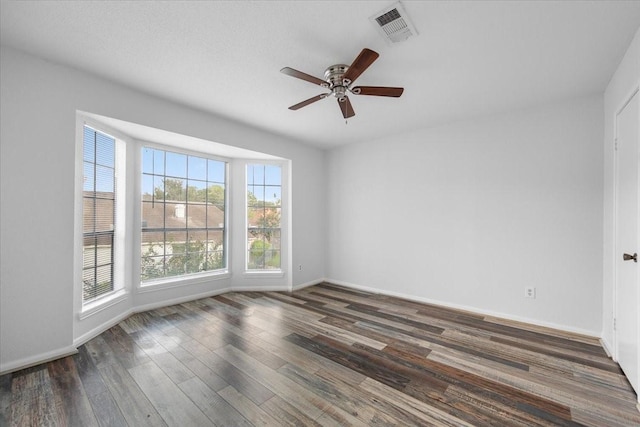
627,292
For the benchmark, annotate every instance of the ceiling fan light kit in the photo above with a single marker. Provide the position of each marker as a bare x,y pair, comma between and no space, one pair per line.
339,79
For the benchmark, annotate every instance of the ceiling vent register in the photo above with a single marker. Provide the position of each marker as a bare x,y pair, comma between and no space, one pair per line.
393,24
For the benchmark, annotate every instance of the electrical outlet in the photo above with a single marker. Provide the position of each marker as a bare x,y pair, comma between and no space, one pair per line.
299,267
530,292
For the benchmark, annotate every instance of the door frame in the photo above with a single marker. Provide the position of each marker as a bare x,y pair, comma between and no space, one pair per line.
615,255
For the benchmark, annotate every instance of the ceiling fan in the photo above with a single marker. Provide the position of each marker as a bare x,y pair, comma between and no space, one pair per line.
339,78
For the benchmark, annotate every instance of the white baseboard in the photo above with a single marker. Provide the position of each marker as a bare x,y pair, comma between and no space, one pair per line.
273,288
101,328
16,365
307,284
165,303
179,300
608,348
28,362
55,354
139,309
475,310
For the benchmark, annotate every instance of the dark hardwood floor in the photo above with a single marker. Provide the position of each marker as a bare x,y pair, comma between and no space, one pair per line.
327,356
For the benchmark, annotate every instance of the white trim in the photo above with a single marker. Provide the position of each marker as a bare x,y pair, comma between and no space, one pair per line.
634,90
607,346
286,256
263,274
184,279
307,284
103,303
181,281
475,310
179,300
140,309
28,362
45,357
288,174
270,288
82,309
101,328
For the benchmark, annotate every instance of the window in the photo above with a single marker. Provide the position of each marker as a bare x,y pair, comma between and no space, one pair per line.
264,208
98,214
183,214
150,216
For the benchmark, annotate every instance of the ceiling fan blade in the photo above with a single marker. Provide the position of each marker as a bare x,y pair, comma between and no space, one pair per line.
360,64
378,91
345,106
300,75
308,101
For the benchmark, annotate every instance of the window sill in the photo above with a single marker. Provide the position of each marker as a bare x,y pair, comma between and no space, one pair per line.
263,274
175,282
102,304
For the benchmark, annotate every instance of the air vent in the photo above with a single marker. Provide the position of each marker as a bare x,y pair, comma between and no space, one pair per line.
393,24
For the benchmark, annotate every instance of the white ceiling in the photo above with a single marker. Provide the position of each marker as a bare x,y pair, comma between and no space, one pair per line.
469,59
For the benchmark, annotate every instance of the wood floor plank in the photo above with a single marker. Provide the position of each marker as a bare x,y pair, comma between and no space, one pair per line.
353,410
338,353
287,414
252,412
33,402
100,352
171,403
5,399
307,360
214,381
302,399
535,388
424,413
132,401
124,348
324,355
219,411
242,382
104,406
69,393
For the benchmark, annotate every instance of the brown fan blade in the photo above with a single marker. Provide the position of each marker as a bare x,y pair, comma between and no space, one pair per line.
306,77
378,91
345,106
360,64
308,101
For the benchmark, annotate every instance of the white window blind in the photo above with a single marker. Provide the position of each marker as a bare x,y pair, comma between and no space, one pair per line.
98,213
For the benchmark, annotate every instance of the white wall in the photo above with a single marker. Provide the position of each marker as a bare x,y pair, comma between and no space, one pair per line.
470,213
38,106
624,81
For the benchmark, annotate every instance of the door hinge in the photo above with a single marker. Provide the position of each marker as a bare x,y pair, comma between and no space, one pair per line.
615,145
614,323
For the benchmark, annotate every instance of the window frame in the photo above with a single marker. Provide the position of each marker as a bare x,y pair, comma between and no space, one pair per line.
119,275
285,225
186,279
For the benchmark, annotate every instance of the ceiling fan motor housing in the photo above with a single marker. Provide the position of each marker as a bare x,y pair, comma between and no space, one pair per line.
334,75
